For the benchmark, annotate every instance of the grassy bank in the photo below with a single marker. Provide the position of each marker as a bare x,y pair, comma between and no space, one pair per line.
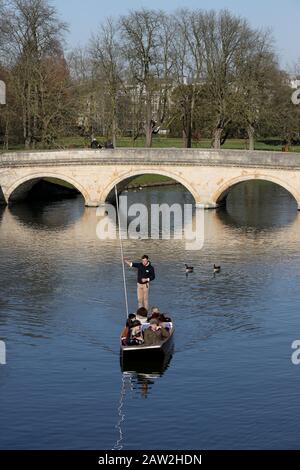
271,144
149,180
143,180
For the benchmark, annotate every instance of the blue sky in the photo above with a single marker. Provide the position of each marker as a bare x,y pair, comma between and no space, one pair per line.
283,17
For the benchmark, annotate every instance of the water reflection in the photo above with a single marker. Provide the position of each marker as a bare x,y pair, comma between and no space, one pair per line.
49,215
61,292
144,377
138,378
2,210
257,204
156,367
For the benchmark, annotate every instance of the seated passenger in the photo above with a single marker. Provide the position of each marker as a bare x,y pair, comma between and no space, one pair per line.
94,144
141,315
165,322
155,334
136,334
108,144
130,320
125,332
154,310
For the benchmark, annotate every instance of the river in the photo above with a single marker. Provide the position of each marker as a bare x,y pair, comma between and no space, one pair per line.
230,383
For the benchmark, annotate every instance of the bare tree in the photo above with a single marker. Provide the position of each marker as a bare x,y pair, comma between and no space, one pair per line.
256,70
4,30
35,34
146,46
85,90
225,39
188,70
165,69
199,71
108,65
282,118
79,64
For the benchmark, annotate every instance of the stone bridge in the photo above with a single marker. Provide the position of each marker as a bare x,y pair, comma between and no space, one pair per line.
207,174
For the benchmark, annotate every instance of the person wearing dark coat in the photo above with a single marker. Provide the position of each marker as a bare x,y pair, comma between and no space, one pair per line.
155,334
108,144
95,144
145,276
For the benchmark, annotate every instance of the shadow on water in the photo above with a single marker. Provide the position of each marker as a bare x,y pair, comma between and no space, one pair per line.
49,214
138,377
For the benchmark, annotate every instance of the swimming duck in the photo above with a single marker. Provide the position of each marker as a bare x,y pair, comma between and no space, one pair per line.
217,269
189,269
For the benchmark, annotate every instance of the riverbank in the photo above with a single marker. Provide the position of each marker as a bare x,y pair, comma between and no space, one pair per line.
143,181
75,142
149,181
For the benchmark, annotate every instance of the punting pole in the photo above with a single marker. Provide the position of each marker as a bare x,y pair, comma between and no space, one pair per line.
122,253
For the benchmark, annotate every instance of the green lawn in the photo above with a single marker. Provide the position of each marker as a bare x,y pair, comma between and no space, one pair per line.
169,142
149,179
65,184
238,144
272,144
140,180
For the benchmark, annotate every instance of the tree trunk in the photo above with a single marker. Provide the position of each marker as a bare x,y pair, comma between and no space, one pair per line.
149,122
187,105
224,138
187,133
285,145
6,137
250,131
190,139
149,136
114,133
25,118
114,124
285,148
28,133
35,116
216,144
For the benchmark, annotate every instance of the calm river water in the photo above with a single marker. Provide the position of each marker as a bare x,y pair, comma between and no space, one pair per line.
230,383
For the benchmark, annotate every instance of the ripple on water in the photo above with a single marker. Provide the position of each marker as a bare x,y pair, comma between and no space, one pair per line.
62,309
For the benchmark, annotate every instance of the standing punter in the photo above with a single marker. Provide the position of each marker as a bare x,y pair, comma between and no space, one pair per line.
146,274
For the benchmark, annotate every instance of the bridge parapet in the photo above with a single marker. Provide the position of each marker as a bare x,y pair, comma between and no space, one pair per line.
166,156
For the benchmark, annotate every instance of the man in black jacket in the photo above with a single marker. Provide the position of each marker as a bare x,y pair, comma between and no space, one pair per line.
146,274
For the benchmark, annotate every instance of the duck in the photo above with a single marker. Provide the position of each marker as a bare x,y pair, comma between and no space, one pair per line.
217,269
189,269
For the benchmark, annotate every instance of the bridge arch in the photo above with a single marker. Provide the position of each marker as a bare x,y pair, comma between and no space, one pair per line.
22,186
123,180
221,194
